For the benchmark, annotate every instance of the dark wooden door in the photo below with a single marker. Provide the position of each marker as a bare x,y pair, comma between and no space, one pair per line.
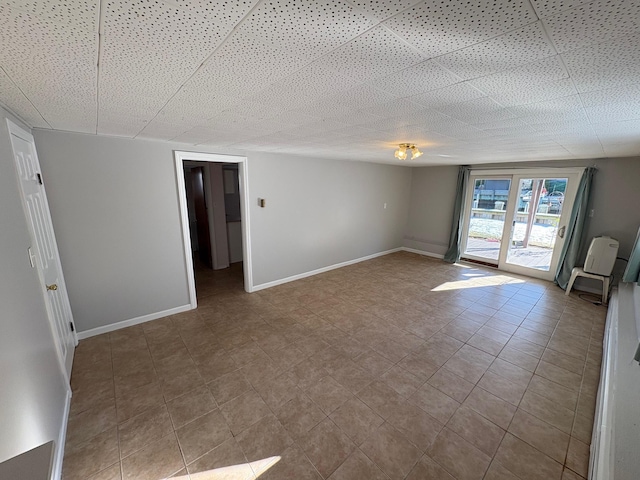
202,219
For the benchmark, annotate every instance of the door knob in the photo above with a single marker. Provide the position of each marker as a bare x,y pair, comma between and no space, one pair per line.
53,286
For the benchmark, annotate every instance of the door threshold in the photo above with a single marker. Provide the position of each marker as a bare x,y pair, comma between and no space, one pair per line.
479,262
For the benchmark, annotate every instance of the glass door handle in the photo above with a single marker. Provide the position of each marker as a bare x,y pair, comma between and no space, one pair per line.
561,231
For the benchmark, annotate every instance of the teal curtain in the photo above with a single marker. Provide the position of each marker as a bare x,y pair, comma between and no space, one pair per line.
453,254
575,230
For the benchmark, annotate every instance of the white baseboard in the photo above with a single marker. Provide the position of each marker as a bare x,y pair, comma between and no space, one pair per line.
422,252
58,454
311,273
133,321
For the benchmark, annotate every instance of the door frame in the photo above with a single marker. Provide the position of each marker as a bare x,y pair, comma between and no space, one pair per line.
573,173
65,363
243,172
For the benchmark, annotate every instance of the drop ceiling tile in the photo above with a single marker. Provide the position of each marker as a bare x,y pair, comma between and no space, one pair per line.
618,131
505,52
54,66
373,54
80,14
64,117
324,109
546,8
630,149
394,108
292,118
359,119
384,124
158,130
309,27
583,149
466,111
623,94
362,96
606,65
532,83
440,27
417,79
117,129
13,99
615,112
222,13
255,62
382,9
459,92
593,22
160,28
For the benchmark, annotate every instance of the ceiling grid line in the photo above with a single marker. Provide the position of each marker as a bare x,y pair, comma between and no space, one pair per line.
16,114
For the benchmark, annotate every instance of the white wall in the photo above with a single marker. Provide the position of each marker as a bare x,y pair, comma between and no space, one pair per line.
615,199
32,388
115,212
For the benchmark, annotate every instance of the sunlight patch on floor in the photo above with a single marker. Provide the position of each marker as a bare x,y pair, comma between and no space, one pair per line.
242,471
476,282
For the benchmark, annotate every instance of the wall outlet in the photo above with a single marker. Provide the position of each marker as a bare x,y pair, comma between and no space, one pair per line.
591,213
385,206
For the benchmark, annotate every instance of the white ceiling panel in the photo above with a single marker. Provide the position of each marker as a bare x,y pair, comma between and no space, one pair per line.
417,79
605,65
547,8
157,130
532,83
507,51
13,99
479,81
630,149
52,63
373,54
309,27
80,14
439,27
466,111
459,92
382,9
394,108
627,95
362,96
593,22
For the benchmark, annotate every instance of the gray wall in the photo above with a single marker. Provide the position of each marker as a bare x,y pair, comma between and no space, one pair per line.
115,212
322,212
433,191
32,388
615,200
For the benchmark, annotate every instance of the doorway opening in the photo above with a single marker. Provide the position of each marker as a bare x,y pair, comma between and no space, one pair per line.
213,203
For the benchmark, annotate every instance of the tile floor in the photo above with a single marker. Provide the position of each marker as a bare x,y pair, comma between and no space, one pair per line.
402,367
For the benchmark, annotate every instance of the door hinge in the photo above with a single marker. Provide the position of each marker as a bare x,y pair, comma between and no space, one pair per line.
72,327
39,178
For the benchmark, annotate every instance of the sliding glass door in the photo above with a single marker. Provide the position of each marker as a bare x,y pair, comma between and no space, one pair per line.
517,222
489,198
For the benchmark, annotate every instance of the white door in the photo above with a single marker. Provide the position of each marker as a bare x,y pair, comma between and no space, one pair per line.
517,222
44,251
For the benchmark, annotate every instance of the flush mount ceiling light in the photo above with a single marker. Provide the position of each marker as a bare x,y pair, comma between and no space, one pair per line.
401,153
